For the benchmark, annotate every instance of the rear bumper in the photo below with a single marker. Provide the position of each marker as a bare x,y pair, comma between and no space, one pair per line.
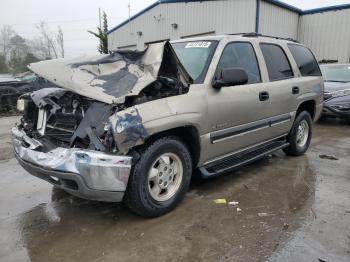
84,173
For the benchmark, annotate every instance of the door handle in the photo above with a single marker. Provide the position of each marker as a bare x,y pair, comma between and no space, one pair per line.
263,96
295,90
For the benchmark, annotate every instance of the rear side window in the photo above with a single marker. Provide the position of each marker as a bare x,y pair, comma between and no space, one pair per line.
277,62
305,60
241,55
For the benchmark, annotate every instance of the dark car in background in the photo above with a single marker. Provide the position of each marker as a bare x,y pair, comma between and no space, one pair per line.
336,91
11,88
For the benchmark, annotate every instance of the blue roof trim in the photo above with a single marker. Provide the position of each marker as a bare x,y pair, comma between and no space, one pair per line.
326,9
286,6
275,2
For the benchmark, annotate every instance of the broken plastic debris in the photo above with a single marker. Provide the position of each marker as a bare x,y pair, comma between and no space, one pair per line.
233,203
220,201
263,214
239,210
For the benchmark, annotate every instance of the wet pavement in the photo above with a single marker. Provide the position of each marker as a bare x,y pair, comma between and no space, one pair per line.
293,209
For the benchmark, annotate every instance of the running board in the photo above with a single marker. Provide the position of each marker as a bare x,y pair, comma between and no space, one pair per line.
240,159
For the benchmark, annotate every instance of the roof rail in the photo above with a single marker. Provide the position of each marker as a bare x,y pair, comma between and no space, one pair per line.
254,34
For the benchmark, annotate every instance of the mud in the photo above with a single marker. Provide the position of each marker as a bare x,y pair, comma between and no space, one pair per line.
304,202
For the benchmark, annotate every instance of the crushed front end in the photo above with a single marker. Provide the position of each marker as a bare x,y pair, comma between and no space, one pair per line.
65,139
78,134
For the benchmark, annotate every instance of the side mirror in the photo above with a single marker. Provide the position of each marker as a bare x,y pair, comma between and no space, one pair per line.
230,77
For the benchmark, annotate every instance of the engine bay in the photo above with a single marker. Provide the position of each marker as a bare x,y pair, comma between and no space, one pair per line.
60,118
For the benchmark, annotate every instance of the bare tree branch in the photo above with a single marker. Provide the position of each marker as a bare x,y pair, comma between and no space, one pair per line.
48,40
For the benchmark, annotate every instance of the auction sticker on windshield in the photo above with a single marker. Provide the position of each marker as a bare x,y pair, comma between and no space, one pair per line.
198,45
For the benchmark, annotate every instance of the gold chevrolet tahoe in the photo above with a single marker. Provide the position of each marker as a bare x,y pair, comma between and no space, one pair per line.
132,126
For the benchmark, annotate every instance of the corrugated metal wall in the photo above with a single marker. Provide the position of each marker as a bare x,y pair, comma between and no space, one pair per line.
208,17
278,21
327,34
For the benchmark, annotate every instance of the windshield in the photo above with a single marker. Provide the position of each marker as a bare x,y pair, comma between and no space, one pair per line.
336,73
194,56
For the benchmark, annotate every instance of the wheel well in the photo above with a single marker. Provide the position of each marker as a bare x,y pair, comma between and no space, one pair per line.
308,106
188,134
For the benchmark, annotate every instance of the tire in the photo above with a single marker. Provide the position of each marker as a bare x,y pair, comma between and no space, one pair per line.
297,145
142,196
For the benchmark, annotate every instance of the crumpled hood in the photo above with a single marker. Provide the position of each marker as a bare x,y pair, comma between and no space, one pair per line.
110,78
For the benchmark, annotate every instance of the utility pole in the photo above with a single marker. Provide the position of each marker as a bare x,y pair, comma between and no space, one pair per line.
99,17
129,7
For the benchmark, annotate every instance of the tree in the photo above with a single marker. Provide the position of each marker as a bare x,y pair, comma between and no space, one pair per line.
18,44
16,62
102,35
30,58
6,33
3,65
47,40
18,51
48,45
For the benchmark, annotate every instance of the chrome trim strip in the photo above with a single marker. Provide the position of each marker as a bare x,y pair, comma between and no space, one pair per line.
239,134
236,131
243,149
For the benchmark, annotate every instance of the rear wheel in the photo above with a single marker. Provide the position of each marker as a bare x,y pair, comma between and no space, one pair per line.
300,135
160,178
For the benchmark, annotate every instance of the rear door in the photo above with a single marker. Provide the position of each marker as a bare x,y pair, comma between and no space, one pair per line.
310,80
282,88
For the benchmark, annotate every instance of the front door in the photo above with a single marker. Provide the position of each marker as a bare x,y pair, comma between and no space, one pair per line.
238,115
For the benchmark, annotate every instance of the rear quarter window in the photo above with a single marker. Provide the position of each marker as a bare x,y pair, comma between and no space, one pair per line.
305,60
277,63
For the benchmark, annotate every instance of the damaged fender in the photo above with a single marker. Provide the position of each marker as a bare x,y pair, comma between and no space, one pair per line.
128,129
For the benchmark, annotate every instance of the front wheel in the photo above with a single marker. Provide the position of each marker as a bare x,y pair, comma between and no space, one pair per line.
300,135
160,178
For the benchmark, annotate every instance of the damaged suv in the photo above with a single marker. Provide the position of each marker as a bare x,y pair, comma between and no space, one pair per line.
132,126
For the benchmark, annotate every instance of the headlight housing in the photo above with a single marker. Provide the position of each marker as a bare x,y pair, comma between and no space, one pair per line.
345,92
21,104
342,107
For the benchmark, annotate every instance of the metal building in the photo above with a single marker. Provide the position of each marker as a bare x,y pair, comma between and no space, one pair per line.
325,30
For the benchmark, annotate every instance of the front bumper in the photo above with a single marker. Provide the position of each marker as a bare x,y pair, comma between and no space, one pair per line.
331,111
84,173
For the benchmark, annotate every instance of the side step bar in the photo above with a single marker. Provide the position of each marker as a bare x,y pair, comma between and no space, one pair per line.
240,159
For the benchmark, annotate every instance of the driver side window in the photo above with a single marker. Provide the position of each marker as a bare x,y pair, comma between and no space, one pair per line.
241,55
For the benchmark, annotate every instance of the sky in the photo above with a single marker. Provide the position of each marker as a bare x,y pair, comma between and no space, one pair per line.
77,16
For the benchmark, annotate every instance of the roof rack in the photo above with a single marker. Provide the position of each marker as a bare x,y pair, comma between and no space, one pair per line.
254,34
